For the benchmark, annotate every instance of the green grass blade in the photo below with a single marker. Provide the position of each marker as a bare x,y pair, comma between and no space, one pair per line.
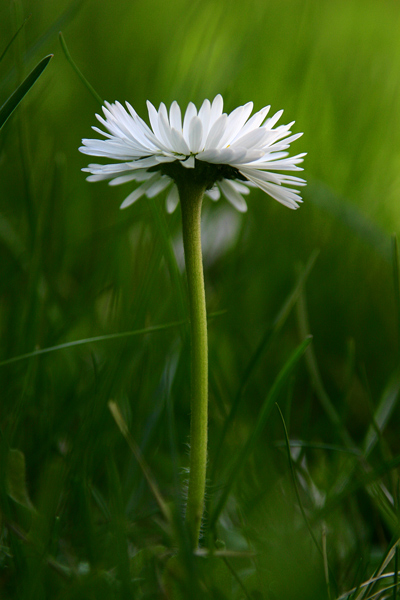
379,572
64,19
383,412
119,530
367,584
318,446
237,578
266,408
264,344
321,551
315,376
81,76
168,251
396,283
374,489
11,104
368,480
122,426
294,480
13,38
99,338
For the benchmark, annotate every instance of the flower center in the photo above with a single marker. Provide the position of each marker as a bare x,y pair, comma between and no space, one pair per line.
203,173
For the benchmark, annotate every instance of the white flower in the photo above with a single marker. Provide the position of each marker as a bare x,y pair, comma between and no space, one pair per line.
226,153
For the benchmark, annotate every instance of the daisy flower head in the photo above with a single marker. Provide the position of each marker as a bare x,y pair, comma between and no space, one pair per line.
224,153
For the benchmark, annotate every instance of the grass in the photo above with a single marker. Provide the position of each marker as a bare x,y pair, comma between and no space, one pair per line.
302,502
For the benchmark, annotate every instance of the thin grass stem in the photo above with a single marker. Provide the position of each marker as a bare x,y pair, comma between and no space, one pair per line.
77,70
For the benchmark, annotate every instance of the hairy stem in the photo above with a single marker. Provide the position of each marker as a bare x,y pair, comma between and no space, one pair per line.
191,196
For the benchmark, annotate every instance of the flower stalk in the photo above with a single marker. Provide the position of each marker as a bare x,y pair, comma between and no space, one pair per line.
201,152
191,197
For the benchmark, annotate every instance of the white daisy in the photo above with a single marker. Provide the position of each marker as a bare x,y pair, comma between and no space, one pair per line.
227,154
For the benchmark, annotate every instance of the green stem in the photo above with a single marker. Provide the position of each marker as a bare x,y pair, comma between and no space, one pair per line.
191,196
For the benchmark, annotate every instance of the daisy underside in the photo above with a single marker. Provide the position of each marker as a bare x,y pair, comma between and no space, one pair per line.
225,153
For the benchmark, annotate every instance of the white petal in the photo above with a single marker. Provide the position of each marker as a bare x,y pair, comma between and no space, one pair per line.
216,109
293,138
115,125
252,139
101,172
145,163
239,187
292,180
143,175
172,199
108,149
257,174
95,168
122,179
274,136
162,158
162,111
236,120
255,121
232,195
204,115
97,130
269,156
163,126
178,143
235,156
214,193
153,116
126,128
188,163
138,132
217,156
175,117
282,194
287,164
142,131
191,112
211,156
238,155
158,186
216,132
140,191
195,134
272,120
245,156
94,178
165,130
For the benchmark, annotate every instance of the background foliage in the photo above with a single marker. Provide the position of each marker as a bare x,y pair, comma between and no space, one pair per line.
73,267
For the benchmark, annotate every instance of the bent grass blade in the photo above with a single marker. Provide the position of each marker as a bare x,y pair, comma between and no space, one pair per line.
266,408
77,70
11,104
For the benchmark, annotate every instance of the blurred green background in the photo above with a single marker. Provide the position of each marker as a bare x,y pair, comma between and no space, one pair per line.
74,267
